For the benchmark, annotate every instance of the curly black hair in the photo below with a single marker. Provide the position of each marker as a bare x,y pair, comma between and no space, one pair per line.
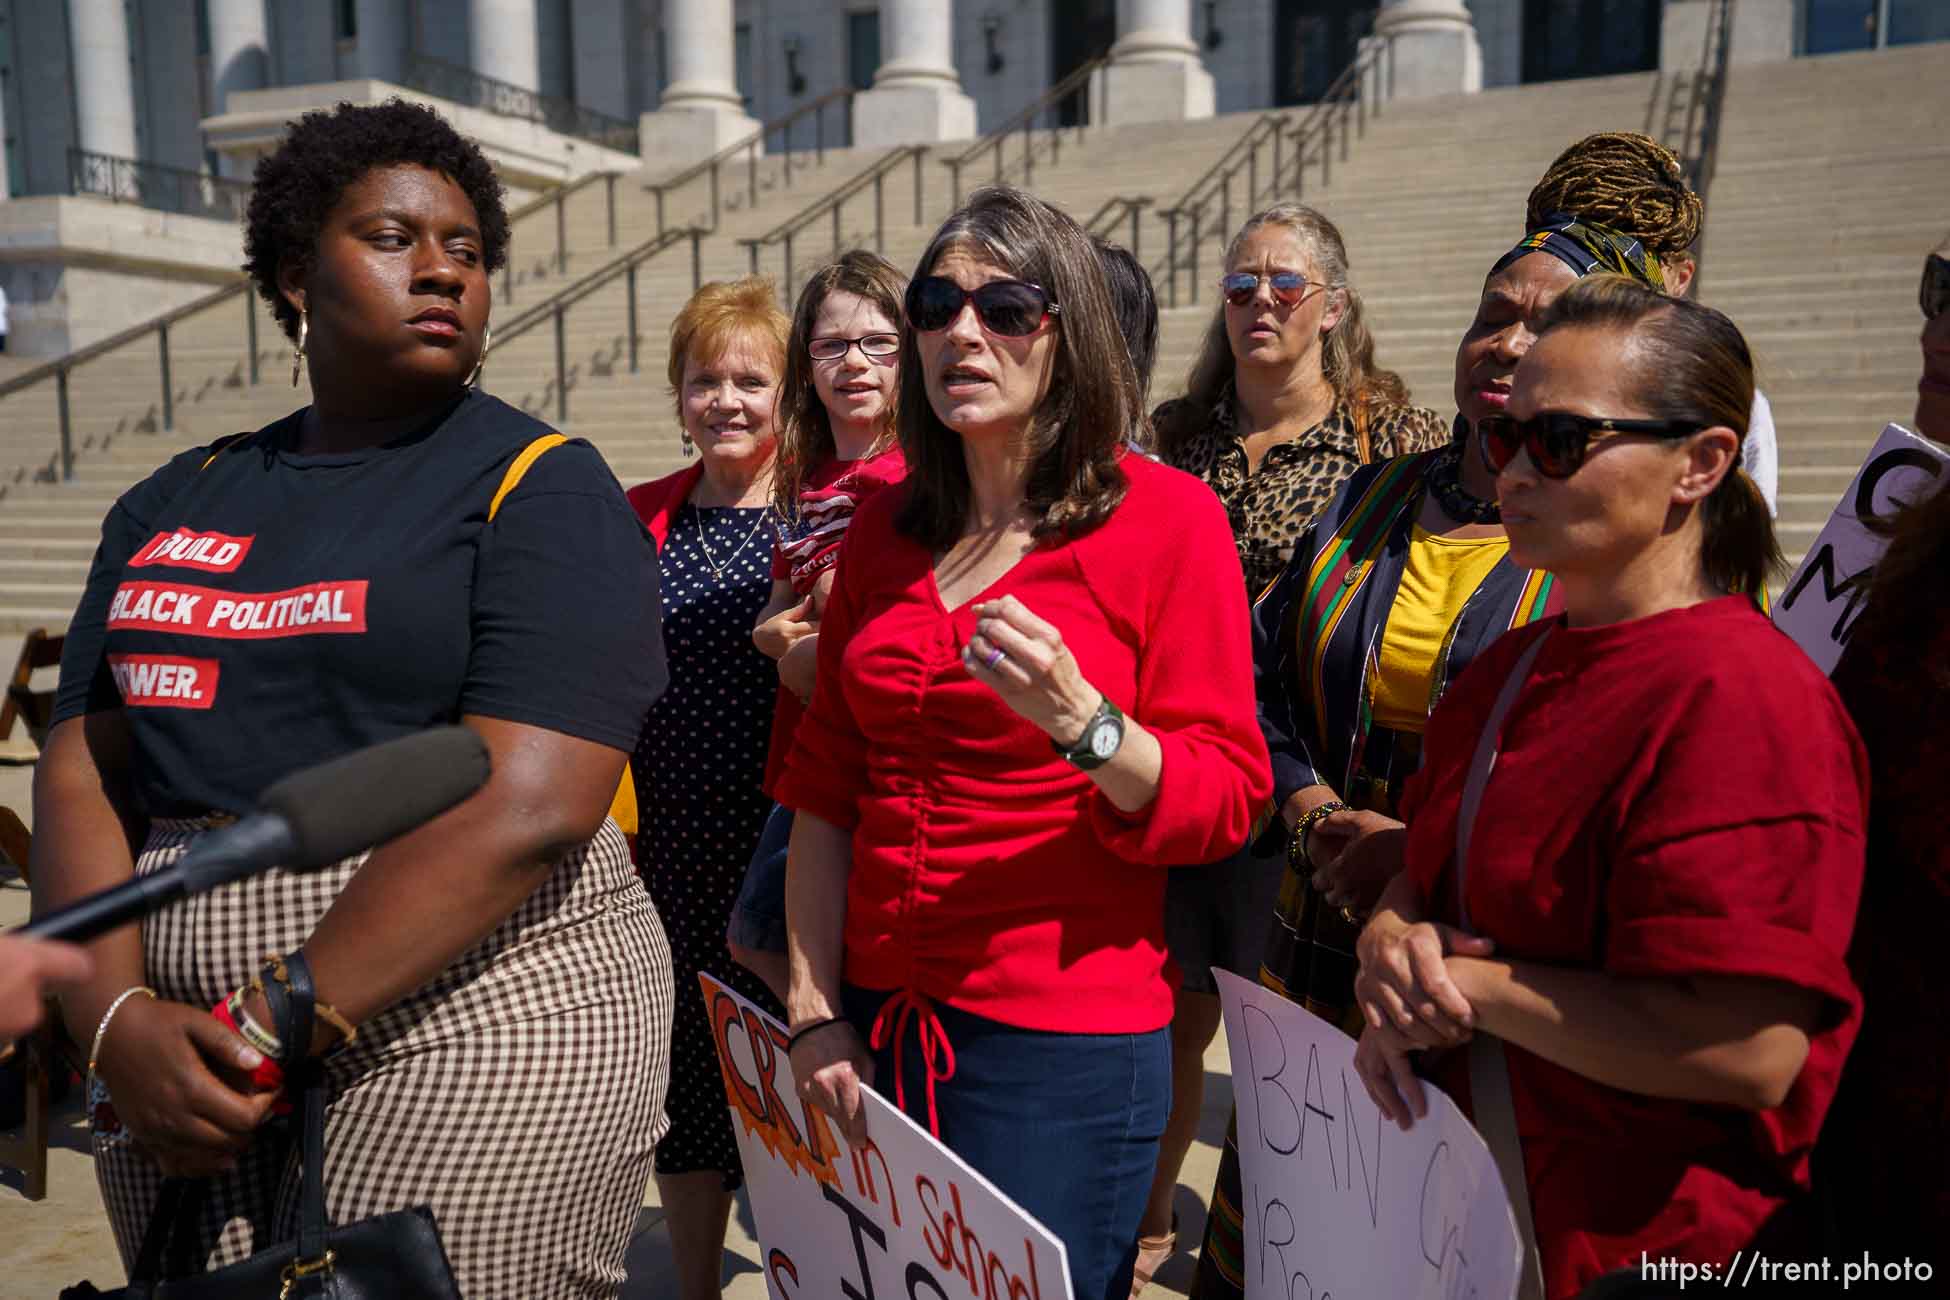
326,152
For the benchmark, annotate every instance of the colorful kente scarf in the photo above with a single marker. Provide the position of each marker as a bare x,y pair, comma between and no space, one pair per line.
1586,246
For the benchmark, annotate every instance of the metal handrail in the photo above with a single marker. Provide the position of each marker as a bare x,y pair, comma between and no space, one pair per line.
463,85
1025,121
1349,94
1113,211
558,197
156,185
752,145
1713,70
556,307
831,204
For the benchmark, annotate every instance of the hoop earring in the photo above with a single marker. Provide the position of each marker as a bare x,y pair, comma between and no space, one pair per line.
298,356
487,341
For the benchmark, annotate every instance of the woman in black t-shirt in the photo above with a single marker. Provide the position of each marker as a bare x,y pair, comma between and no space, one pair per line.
364,568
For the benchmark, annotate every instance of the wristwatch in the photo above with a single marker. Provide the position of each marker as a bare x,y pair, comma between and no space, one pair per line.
1100,739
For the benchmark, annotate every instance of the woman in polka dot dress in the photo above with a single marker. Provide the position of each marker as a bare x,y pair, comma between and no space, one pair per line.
700,763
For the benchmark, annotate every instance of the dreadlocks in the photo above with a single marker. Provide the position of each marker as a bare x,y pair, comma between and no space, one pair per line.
1624,180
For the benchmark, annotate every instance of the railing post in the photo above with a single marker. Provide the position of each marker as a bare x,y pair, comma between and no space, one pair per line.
629,287
1028,152
169,401
785,285
785,148
1137,210
1327,149
836,228
1343,116
697,259
250,332
998,159
1225,203
609,199
917,187
659,192
561,367
879,213
1171,255
714,196
819,134
561,232
751,175
1252,176
751,246
1279,167
1194,267
67,435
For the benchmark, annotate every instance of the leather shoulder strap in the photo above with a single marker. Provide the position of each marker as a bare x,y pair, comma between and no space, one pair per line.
520,467
1494,1109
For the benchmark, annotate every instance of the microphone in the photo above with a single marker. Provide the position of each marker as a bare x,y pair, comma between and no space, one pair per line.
308,820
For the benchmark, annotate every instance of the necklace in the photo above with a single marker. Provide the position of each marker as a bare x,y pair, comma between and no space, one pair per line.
703,527
1445,481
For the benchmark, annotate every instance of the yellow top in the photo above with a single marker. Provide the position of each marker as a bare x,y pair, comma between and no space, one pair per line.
1442,573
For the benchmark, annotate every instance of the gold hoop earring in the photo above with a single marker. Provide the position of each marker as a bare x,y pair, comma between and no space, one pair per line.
480,364
298,356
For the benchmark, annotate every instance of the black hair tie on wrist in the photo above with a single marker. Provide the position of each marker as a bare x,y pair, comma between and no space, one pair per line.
805,1030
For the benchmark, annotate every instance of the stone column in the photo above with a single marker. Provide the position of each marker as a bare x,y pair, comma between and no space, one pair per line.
104,83
1435,50
916,96
701,110
240,53
501,41
1155,74
383,39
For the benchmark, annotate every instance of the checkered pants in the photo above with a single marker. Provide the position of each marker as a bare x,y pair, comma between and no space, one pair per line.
520,1094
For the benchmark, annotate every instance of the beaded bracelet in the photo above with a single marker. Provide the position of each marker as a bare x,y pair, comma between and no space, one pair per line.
1297,847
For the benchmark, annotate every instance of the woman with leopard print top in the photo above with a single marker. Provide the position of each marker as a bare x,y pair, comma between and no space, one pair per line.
1285,400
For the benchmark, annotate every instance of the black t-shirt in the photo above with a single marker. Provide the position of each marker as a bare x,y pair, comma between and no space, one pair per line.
271,611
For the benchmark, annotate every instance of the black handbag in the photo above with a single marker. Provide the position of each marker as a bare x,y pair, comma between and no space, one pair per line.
389,1255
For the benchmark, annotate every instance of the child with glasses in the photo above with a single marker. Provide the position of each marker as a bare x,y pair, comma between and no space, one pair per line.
836,449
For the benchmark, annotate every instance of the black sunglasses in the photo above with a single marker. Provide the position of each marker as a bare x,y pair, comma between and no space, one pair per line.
1933,295
1557,440
1011,308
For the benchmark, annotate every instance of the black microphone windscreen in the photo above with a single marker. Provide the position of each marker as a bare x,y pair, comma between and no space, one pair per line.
377,794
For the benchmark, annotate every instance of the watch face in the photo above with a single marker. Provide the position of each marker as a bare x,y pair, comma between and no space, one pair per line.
1104,738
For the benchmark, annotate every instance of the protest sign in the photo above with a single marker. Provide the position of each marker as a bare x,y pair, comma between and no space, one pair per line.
1819,606
903,1219
1337,1200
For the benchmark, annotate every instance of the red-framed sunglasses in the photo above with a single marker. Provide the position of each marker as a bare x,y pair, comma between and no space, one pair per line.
1558,440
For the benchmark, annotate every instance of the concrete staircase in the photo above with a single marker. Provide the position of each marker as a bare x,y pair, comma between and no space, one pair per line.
1831,187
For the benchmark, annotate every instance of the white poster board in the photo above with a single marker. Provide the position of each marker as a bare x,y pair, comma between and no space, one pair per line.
905,1219
1814,608
1336,1199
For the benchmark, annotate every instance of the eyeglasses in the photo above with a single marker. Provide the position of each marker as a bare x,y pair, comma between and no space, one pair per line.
1289,287
1557,440
1011,308
871,345
1933,295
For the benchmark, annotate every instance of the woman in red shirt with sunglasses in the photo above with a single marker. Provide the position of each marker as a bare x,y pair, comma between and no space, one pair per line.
1034,695
1634,851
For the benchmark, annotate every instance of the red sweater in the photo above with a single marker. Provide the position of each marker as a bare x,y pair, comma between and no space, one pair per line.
987,872
1681,795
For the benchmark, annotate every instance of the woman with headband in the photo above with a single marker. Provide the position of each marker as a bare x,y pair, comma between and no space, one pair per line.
1403,580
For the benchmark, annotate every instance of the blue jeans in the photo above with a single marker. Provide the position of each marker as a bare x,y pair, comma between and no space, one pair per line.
758,917
1067,1125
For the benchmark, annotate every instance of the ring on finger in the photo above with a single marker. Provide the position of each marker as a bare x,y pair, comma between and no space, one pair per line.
995,656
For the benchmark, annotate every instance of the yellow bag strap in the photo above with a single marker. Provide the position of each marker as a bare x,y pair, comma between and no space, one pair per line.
519,469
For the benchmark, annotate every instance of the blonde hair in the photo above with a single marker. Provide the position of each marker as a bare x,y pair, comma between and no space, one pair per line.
718,316
1347,352
805,429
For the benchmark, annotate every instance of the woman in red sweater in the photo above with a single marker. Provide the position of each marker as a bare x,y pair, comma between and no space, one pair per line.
1036,694
1635,847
